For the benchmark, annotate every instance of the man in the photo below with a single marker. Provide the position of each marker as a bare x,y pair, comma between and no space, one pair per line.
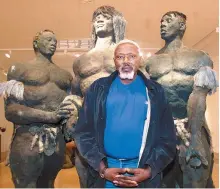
125,130
107,30
37,104
173,67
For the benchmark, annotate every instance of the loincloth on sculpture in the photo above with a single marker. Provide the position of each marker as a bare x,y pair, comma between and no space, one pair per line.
183,135
45,136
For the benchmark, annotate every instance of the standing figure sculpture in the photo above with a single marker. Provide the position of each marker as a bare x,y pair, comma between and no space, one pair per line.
108,29
37,104
173,67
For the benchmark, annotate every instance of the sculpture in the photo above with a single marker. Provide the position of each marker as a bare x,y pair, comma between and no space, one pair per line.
174,67
38,104
196,159
108,29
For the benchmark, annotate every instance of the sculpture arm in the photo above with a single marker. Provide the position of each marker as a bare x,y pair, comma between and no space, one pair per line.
196,153
76,79
206,60
196,108
21,114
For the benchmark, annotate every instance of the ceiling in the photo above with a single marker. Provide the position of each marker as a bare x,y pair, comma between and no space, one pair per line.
71,19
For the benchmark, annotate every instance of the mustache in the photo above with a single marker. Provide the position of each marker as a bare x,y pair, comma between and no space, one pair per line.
126,64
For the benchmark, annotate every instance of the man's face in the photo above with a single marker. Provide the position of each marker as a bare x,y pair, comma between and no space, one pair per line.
103,24
127,60
47,43
170,27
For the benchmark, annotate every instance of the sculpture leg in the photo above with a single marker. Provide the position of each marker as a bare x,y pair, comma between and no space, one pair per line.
81,167
172,175
52,165
26,165
210,183
194,178
198,177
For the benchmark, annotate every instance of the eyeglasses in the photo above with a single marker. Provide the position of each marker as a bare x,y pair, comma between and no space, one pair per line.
130,57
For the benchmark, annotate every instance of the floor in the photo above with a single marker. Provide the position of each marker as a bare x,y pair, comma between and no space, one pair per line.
67,178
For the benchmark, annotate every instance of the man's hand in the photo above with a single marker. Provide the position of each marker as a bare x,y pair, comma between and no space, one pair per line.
111,173
132,181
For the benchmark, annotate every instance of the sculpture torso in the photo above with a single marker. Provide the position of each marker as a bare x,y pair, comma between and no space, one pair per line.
175,71
92,66
45,84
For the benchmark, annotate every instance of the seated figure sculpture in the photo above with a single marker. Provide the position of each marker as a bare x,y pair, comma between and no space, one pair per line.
174,67
38,103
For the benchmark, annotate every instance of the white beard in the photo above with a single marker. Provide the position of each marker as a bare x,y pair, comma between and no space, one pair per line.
126,75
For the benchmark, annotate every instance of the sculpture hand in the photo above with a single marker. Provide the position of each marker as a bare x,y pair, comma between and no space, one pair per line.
196,156
71,103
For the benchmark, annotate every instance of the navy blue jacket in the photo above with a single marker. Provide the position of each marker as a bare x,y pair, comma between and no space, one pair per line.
160,146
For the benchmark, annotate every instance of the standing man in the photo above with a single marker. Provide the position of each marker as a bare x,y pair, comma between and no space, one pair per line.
108,28
173,67
37,104
125,130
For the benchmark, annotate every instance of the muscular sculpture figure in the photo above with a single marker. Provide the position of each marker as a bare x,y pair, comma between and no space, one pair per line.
37,111
108,30
174,66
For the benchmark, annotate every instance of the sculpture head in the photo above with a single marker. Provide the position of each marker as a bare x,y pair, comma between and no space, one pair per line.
45,42
173,24
108,21
127,58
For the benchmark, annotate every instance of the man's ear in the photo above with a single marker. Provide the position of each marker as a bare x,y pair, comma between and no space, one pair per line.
182,26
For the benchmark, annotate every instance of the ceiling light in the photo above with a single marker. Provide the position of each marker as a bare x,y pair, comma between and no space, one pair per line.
149,54
77,55
7,55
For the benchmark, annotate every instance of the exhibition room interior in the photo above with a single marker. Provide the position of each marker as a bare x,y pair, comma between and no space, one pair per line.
71,21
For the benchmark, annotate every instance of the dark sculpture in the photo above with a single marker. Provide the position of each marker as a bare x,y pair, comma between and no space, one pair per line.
108,29
174,66
196,159
38,104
